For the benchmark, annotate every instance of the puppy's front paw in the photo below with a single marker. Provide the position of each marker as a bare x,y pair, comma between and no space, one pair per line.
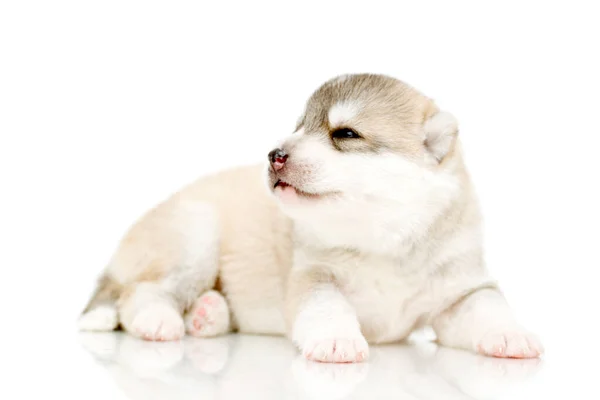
337,350
510,344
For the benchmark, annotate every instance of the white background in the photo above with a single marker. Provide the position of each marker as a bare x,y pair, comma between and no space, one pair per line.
108,107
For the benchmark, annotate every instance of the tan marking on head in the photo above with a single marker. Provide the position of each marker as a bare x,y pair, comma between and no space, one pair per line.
387,113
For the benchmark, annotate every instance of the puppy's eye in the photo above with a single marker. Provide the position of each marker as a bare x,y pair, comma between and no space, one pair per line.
345,133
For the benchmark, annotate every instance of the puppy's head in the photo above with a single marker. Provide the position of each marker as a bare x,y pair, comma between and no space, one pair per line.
367,149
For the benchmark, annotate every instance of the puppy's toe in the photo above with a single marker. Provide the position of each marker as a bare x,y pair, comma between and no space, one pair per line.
510,344
158,322
342,350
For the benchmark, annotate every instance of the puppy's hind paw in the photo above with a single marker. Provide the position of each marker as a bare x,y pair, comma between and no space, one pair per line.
101,318
157,322
208,316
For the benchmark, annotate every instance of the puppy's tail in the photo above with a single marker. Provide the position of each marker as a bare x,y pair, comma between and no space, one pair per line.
101,312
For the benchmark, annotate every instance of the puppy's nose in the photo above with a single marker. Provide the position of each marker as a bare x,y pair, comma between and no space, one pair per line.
278,157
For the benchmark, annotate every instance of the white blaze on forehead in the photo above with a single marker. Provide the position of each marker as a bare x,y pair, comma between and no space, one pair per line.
342,112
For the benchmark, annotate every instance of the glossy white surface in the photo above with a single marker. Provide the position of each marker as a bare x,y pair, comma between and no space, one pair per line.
107,108
243,367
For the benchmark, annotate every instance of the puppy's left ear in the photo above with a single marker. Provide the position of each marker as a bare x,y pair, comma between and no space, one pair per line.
441,130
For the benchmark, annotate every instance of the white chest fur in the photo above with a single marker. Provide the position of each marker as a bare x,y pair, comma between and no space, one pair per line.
388,294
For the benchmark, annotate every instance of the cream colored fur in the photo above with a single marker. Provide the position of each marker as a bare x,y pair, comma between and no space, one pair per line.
368,238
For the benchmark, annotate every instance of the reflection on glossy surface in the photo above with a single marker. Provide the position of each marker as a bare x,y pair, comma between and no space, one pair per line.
247,367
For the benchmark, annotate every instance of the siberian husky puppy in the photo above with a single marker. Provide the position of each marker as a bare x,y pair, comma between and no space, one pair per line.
368,227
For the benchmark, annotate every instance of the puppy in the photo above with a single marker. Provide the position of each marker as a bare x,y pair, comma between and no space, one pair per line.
368,228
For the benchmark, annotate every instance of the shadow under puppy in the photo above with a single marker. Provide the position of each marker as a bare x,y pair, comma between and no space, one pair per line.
368,227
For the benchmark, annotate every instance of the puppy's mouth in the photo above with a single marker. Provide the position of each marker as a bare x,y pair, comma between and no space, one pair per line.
288,190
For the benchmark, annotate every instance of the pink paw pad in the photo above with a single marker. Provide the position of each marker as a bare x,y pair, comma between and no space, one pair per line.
208,316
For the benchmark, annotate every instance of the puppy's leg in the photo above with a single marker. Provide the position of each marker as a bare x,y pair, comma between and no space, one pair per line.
208,316
161,266
483,322
323,324
147,311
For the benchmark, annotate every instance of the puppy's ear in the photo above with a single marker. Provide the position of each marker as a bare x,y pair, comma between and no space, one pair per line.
441,130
